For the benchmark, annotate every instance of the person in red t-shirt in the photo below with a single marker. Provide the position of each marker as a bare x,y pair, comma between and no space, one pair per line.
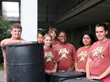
53,33
16,30
50,56
99,56
87,39
66,53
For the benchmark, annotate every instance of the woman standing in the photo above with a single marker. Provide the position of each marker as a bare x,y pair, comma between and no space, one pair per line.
86,41
53,33
50,56
99,55
66,53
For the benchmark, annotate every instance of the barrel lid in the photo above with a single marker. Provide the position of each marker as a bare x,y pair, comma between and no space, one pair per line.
67,74
24,44
81,79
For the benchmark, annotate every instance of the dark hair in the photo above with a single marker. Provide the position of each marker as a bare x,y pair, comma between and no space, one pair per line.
90,34
41,32
61,32
102,25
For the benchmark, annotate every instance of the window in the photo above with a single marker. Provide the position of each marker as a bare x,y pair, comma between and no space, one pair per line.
10,10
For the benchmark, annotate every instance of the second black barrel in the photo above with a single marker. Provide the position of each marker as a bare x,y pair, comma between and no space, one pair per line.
57,77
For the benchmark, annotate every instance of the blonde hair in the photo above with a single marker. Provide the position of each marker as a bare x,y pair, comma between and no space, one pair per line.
16,25
48,35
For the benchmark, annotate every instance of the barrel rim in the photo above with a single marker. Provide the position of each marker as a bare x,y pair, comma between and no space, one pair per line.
80,79
71,74
24,44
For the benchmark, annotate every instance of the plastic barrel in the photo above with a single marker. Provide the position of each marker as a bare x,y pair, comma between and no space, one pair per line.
57,77
25,63
81,80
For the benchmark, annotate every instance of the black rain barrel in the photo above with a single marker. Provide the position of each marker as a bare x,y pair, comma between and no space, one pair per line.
57,77
25,62
81,80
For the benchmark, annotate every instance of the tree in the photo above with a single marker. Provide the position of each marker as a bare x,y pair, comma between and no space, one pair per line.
4,32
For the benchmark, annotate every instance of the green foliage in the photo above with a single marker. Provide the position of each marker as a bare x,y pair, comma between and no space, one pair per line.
4,32
1,66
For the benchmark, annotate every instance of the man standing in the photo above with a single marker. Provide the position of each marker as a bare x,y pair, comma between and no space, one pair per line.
16,30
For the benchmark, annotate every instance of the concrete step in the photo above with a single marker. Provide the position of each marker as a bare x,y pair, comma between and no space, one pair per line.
2,76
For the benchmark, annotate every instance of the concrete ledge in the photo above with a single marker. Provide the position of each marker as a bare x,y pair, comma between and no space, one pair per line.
2,76
79,8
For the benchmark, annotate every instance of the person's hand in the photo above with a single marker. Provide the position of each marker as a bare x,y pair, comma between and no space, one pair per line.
47,71
89,77
95,77
70,69
61,70
76,70
80,70
53,71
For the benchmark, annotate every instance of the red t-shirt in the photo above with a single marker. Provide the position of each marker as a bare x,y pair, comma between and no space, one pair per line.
51,57
66,55
100,55
56,42
81,57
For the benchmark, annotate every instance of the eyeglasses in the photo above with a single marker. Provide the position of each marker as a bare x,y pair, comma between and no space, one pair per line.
40,37
62,36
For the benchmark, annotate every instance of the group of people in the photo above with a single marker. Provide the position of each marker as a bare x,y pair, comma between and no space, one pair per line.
92,57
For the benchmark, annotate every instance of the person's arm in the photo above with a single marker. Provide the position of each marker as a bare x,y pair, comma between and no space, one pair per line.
0,44
47,71
76,61
107,72
55,68
9,41
76,67
56,59
51,71
73,55
71,69
73,64
88,69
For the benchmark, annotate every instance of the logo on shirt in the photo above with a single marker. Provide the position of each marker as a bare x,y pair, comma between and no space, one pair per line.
49,57
96,51
83,55
63,52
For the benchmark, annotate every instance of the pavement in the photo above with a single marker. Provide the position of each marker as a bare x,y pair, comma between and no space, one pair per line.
2,76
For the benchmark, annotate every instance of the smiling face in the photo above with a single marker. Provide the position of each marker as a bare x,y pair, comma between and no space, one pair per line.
62,38
101,33
53,34
40,38
47,41
16,33
86,40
